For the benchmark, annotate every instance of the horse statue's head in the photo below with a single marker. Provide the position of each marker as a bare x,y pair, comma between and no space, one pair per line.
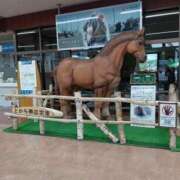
133,41
136,46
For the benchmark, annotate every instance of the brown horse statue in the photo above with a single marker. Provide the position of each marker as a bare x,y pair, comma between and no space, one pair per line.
102,73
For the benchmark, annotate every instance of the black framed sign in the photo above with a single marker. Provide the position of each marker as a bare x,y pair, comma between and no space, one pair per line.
168,114
93,28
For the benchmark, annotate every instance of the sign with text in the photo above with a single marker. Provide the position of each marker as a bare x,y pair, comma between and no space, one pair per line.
27,73
143,79
167,114
141,113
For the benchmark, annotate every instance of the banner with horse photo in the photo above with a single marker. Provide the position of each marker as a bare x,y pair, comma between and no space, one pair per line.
93,28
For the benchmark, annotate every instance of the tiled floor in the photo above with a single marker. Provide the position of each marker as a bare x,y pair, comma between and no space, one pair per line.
3,119
27,157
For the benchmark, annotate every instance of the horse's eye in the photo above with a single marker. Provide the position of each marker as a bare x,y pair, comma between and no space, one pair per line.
140,43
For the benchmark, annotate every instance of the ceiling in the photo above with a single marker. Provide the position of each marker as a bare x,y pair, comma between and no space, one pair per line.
9,8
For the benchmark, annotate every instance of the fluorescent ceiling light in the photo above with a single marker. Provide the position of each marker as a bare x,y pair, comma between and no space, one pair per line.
81,57
156,45
26,32
26,46
130,11
161,14
157,33
50,44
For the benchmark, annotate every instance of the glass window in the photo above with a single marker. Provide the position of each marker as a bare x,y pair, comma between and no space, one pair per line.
49,38
162,25
168,63
7,68
28,40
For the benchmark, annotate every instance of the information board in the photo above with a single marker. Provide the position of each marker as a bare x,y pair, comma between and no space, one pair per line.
141,113
27,73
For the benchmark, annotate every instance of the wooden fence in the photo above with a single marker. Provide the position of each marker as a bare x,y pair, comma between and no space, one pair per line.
46,114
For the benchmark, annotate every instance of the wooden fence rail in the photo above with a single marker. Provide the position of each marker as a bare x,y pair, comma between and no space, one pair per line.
85,99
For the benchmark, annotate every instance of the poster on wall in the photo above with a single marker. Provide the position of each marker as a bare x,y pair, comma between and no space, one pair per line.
167,114
93,28
143,113
27,74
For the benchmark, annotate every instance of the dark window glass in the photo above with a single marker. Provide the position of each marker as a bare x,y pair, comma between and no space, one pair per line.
49,38
162,25
7,68
28,40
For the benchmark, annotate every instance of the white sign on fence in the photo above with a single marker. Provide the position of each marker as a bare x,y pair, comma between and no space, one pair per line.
140,113
167,114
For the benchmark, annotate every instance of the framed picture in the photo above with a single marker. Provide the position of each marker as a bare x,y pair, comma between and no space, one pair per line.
93,28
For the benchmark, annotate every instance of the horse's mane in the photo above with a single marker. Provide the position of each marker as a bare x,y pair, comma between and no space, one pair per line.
118,39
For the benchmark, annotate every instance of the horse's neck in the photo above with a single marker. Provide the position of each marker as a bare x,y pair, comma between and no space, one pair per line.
117,55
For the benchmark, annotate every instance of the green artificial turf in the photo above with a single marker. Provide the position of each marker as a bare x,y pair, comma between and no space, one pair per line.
145,137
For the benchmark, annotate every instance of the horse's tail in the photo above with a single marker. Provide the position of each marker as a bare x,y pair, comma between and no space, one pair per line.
56,87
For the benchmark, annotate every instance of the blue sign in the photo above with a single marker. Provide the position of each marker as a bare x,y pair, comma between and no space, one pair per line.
7,47
26,92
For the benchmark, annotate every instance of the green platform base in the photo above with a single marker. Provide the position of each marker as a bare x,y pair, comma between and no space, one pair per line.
144,137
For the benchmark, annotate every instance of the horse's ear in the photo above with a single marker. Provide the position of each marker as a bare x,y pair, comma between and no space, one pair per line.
141,32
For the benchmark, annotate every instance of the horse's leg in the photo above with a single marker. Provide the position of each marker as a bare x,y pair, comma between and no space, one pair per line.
65,105
105,107
98,105
114,84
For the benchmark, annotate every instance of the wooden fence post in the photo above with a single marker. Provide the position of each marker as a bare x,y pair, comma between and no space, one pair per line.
41,127
172,138
50,93
15,123
118,106
173,96
14,119
42,124
36,101
79,116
